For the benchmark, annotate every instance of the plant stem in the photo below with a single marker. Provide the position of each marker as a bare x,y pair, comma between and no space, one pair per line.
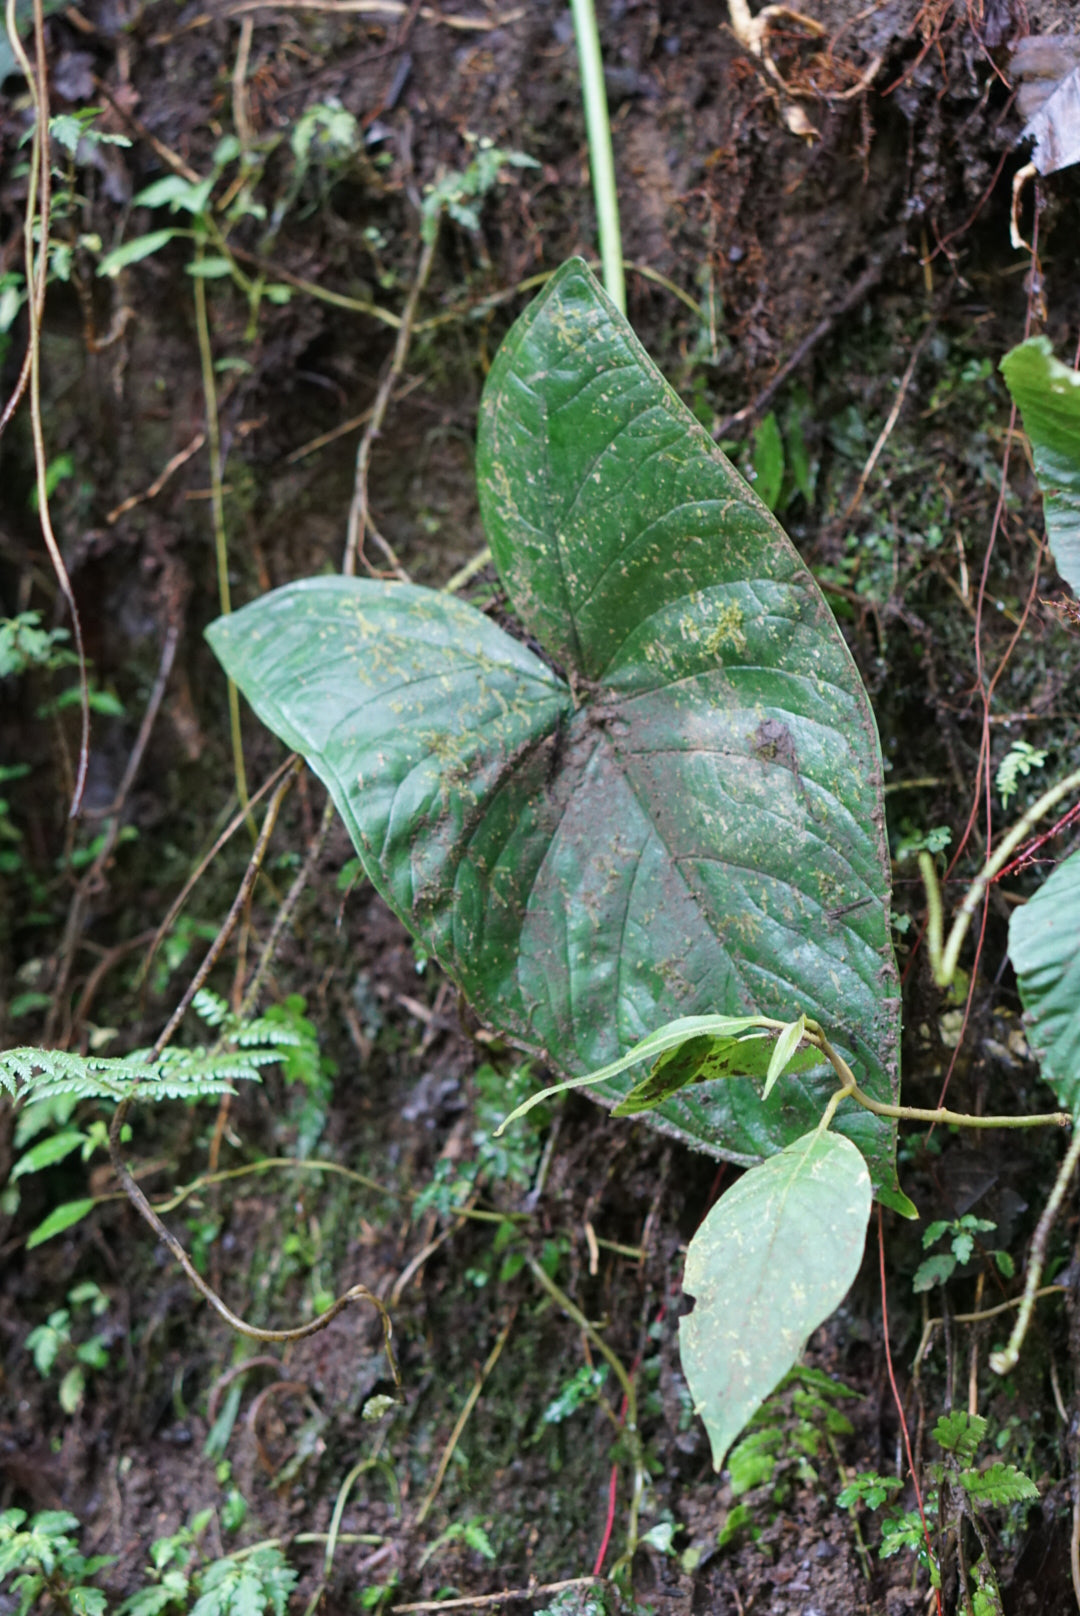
217,506
1002,1363
601,159
944,960
959,1119
561,1300
358,509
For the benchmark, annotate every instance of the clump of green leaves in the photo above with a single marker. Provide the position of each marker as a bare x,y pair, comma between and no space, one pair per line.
509,1159
42,1559
1019,761
42,1079
458,193
52,1344
958,1496
580,1391
792,1428
471,1533
961,1233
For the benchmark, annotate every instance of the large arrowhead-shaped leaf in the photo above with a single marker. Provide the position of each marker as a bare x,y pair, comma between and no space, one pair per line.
775,1256
1044,945
689,822
1047,394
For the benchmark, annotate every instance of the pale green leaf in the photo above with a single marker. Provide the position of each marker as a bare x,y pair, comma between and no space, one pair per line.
774,1257
673,1036
960,1432
707,1059
132,251
1047,394
783,1053
1044,945
768,461
210,269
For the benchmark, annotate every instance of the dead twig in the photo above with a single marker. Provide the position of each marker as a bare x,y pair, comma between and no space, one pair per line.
851,299
314,444
463,1418
890,420
535,1590
204,864
286,908
93,880
359,523
375,8
36,240
179,459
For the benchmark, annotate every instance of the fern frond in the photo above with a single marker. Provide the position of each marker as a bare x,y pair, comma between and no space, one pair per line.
960,1433
1000,1484
1019,760
211,1008
264,1031
177,1074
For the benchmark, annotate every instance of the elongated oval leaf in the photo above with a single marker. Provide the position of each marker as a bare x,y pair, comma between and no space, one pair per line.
775,1256
1047,394
1044,945
59,1219
689,823
707,1059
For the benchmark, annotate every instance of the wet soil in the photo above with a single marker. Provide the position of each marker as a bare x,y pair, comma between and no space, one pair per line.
874,241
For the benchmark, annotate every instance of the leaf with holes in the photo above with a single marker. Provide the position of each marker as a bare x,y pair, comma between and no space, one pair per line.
1044,945
1047,394
775,1256
676,810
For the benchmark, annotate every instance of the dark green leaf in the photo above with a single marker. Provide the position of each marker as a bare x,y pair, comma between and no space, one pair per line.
772,1259
690,823
708,1060
1044,944
1047,394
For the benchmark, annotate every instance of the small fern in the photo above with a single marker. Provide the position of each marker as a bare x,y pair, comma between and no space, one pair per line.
1019,760
960,1433
176,1074
998,1484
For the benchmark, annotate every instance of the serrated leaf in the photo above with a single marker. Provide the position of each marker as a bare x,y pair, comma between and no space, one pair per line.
1044,945
773,1258
690,822
936,1270
960,1432
998,1484
1047,394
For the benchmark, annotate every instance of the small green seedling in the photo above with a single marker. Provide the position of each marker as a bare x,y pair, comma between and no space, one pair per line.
41,1559
938,1269
51,1345
958,1497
